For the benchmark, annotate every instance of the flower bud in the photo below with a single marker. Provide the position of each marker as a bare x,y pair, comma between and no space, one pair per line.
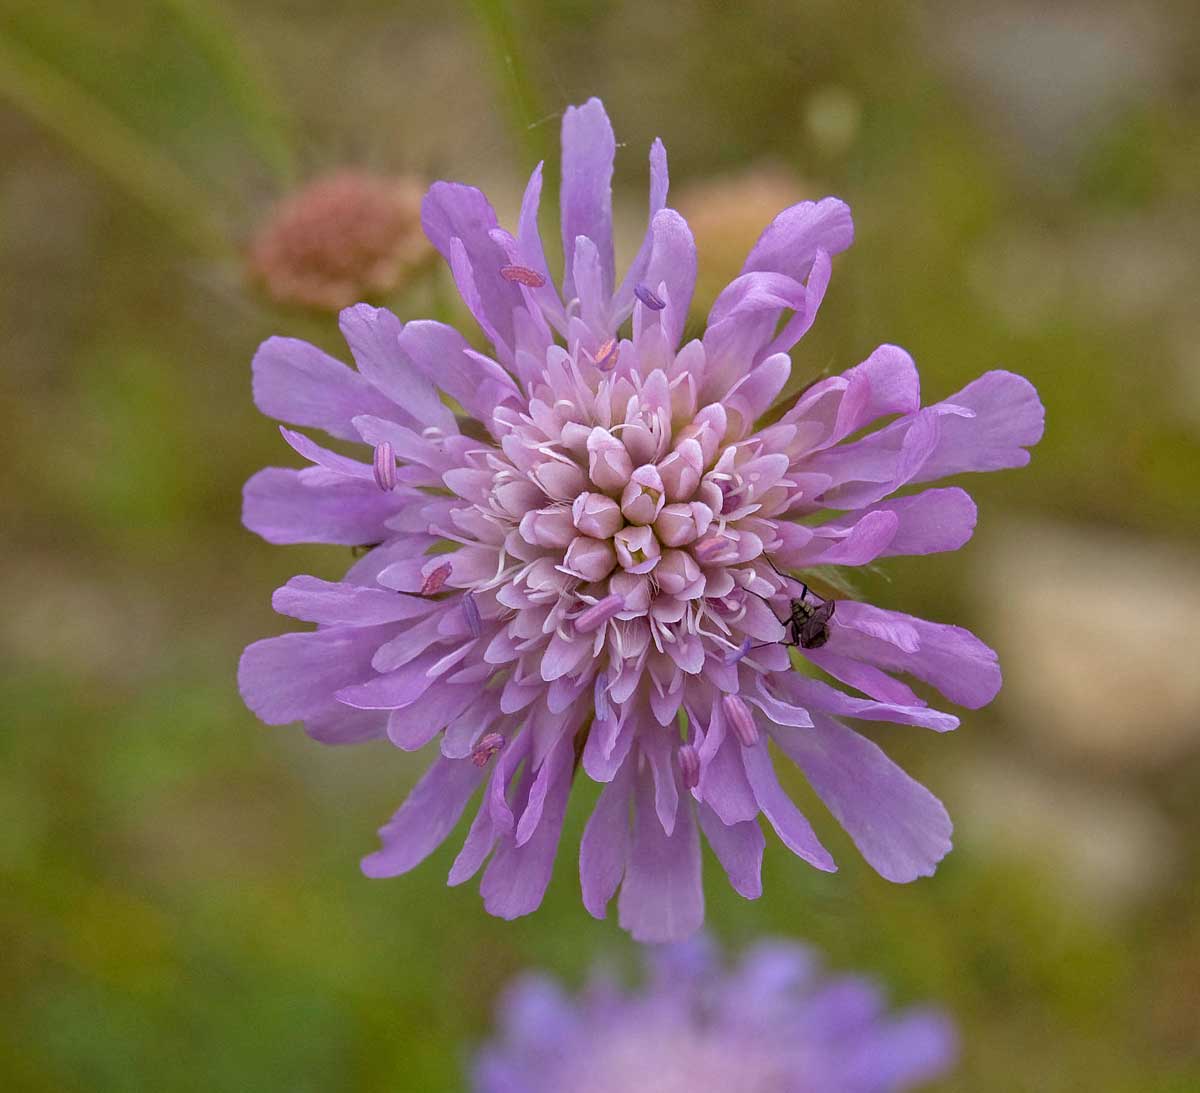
642,499
707,429
590,559
596,515
714,549
550,527
608,462
682,523
637,549
677,573
681,470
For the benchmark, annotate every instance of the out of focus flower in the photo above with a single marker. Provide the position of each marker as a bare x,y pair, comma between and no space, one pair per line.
346,237
593,572
773,1024
727,214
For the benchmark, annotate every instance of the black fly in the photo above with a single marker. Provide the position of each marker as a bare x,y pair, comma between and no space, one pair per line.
808,623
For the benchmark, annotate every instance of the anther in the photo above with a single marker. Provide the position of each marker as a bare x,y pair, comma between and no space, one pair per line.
385,466
522,275
471,614
599,613
436,580
600,697
606,355
740,719
689,765
650,299
488,745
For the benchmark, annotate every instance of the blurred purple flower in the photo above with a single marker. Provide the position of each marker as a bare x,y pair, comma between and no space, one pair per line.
773,1024
616,528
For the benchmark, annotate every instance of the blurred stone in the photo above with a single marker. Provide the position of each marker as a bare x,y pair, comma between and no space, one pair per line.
1107,849
728,214
347,237
1021,275
1052,76
1098,634
833,117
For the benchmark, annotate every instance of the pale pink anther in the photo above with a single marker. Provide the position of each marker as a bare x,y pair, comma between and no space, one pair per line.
606,355
488,745
436,579
597,515
472,616
522,275
385,466
600,697
740,719
689,765
599,613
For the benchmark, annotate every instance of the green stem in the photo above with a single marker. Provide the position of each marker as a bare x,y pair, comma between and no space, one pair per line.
524,103
113,148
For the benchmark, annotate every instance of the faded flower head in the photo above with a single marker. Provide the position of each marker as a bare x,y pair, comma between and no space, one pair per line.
589,565
773,1024
342,238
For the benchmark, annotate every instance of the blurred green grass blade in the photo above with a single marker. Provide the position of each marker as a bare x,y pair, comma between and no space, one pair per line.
110,146
496,18
240,73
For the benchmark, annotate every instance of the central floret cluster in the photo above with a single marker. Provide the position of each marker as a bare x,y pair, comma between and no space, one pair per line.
626,523
584,550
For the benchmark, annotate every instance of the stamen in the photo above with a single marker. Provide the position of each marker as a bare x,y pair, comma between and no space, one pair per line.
488,745
599,613
385,466
689,765
471,614
650,299
600,697
606,355
741,720
522,275
436,580
736,654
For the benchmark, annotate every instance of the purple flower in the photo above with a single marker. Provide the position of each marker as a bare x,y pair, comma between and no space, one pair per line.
583,563
771,1025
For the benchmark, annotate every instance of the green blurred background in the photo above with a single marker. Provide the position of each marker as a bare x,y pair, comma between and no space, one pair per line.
181,907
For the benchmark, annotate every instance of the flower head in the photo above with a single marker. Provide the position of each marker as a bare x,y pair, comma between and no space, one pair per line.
341,238
638,552
773,1024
